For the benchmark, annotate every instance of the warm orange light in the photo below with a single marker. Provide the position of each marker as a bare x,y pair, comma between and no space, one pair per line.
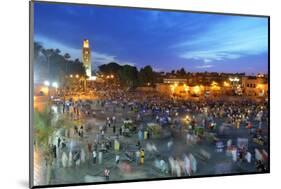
45,90
86,43
260,86
214,83
77,76
186,88
196,89
226,84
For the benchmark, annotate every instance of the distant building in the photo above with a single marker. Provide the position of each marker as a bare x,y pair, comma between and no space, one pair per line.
86,58
214,85
255,86
174,80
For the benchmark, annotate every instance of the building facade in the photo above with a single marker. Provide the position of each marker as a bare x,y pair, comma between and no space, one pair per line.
255,86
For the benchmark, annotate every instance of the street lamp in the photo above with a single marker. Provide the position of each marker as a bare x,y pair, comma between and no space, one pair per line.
77,76
55,84
47,83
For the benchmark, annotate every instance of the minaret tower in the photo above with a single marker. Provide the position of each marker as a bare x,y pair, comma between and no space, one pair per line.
86,58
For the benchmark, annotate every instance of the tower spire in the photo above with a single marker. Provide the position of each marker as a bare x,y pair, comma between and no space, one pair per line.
86,57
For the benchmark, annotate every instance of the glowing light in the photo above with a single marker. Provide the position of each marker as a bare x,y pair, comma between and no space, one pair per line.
186,88
187,119
196,89
47,83
77,76
55,84
45,90
235,79
214,83
94,78
71,76
259,86
86,43
226,84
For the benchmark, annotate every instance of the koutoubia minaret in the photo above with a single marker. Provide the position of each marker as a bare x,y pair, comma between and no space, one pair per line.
86,57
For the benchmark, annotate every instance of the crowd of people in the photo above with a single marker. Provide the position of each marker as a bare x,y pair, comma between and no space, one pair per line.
236,128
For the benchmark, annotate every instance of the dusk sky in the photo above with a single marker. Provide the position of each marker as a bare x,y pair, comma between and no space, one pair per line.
165,40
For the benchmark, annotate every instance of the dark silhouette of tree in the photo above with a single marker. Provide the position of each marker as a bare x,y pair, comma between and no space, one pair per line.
128,76
146,75
57,51
110,68
37,49
51,65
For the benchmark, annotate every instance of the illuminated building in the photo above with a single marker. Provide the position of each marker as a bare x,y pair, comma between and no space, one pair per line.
255,86
86,57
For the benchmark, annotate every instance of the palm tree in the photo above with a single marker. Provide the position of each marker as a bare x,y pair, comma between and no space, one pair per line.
37,49
57,51
48,53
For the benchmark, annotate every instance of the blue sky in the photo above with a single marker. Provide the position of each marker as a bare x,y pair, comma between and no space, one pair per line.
165,40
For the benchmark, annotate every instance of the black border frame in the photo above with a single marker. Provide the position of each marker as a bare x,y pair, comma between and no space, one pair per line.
31,34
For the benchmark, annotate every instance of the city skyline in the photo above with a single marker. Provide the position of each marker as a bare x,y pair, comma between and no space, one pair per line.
164,40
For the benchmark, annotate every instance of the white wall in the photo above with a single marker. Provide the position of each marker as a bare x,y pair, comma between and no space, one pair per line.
14,92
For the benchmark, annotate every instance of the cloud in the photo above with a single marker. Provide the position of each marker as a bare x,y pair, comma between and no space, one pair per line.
231,39
205,66
209,55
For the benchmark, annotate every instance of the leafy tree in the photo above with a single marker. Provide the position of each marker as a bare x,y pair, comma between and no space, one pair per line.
54,66
110,68
128,76
37,49
146,75
182,72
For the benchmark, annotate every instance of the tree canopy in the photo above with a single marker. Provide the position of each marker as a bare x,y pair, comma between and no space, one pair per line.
129,75
51,64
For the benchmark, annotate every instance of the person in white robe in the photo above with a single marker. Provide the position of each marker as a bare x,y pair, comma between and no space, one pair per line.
70,159
248,157
193,163
64,160
187,165
83,156
100,157
77,163
178,168
258,155
234,154
172,165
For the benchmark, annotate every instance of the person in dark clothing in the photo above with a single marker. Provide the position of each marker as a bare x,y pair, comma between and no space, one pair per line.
120,131
148,134
59,141
114,129
54,151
